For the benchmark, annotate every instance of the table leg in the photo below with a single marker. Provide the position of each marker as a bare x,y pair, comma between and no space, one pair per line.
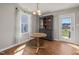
37,45
37,50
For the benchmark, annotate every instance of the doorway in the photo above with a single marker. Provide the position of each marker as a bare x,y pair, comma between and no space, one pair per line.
67,27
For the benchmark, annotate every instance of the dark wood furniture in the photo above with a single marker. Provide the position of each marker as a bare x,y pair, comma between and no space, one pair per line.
46,26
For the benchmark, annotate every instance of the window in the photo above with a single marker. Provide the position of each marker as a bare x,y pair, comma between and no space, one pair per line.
66,25
24,23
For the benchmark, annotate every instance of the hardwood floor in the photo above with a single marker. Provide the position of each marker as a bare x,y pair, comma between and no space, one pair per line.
50,48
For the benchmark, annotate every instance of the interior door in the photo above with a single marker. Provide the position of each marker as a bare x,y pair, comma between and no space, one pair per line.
67,27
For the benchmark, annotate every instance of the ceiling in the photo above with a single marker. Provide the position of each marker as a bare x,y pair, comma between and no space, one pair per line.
47,7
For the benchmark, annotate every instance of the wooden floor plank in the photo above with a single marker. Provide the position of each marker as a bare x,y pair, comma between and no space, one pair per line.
50,48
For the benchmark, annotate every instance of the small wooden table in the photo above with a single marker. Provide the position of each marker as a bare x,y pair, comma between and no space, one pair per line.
37,36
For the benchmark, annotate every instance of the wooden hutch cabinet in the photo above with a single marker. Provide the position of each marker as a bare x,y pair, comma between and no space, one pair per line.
46,26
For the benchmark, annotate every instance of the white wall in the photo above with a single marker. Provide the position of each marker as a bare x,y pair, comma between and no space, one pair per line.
56,21
8,24
35,24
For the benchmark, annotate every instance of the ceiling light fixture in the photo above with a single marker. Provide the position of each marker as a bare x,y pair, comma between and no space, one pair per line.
38,11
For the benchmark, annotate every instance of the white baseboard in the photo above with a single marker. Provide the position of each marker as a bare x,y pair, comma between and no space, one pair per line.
15,44
68,42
